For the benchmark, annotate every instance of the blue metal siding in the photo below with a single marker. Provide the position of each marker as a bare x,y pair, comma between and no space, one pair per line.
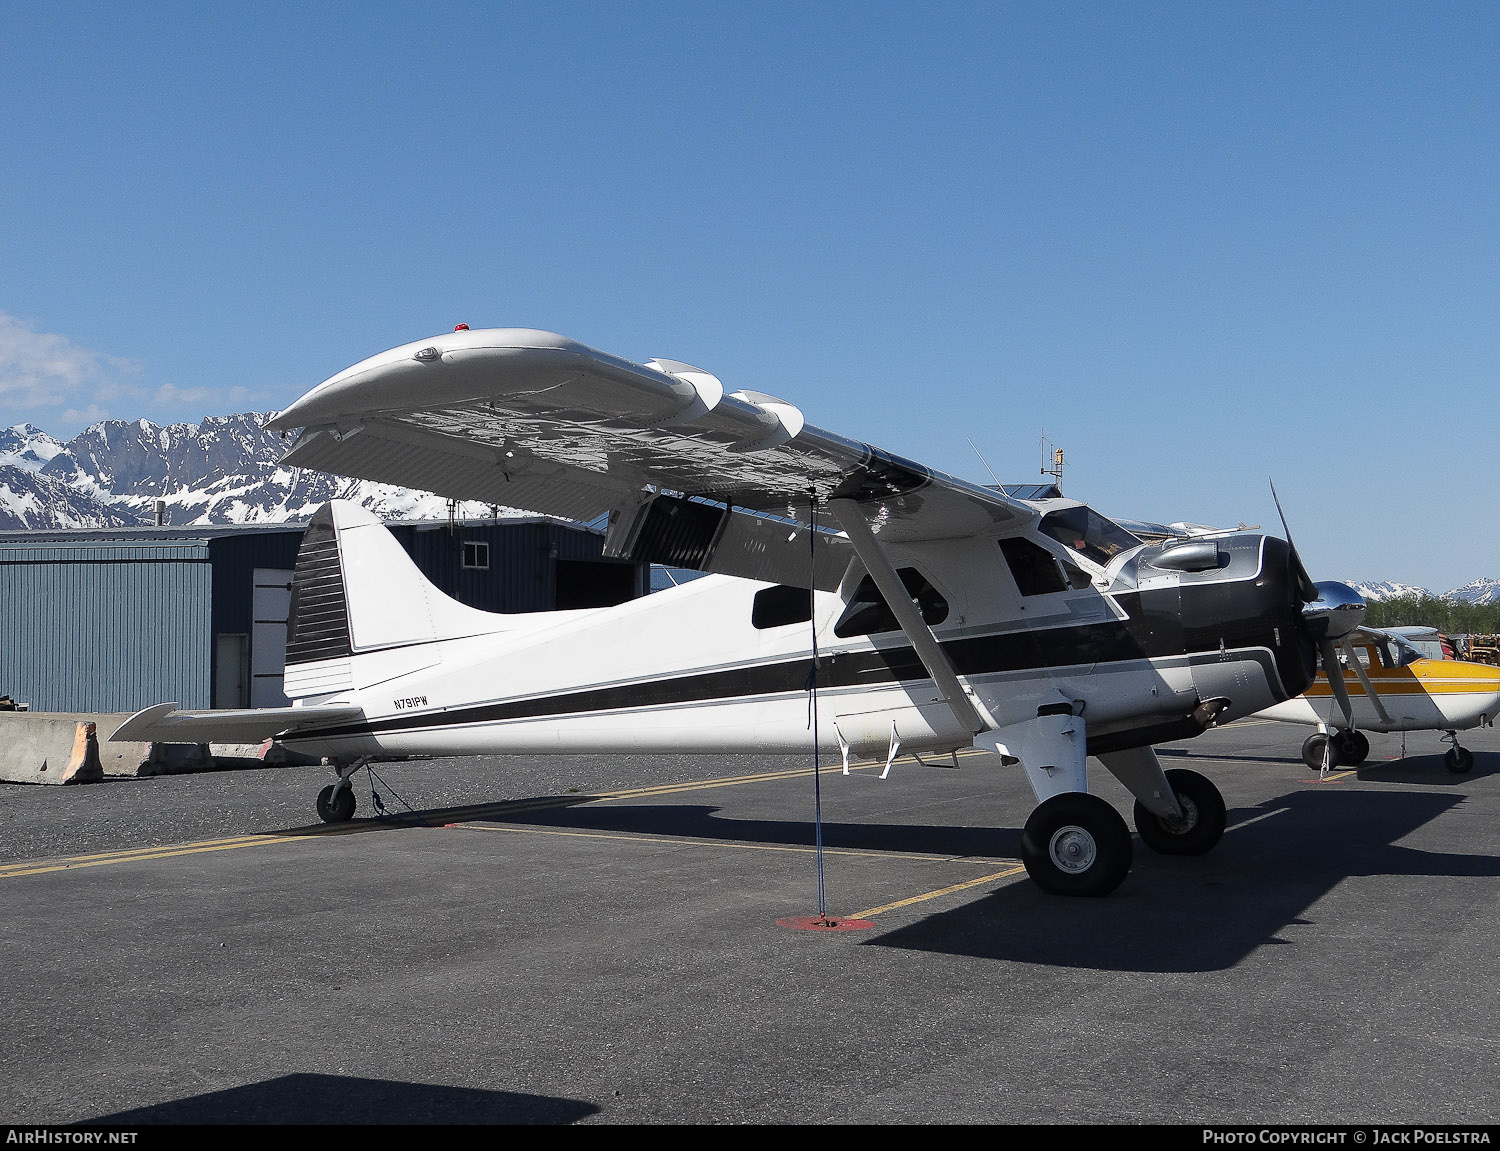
102,627
99,621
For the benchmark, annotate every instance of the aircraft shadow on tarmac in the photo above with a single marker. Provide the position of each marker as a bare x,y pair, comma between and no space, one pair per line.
1418,769
1173,914
341,1100
1182,914
1426,770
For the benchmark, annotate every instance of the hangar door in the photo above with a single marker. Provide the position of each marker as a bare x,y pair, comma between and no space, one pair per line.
270,603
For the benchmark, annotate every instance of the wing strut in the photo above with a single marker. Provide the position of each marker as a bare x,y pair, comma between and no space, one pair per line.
1364,681
881,570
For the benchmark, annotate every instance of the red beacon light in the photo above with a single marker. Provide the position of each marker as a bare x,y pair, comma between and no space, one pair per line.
460,327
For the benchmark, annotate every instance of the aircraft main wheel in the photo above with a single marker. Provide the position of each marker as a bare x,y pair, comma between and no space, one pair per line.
1312,751
336,804
1076,844
1203,817
1351,747
1458,759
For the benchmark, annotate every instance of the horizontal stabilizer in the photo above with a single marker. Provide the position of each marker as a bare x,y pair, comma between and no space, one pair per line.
163,723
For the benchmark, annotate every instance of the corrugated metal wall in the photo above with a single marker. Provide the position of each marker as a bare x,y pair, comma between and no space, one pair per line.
95,626
115,624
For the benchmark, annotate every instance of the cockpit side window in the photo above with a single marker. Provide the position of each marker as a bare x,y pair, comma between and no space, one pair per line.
1364,653
869,614
1035,569
779,606
1086,532
1404,653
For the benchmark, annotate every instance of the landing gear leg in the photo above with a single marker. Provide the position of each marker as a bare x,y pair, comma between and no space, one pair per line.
336,801
1458,759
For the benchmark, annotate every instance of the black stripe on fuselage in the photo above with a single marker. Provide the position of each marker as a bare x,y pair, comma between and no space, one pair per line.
1155,629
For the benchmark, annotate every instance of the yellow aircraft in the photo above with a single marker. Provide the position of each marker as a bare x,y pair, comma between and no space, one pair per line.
1390,684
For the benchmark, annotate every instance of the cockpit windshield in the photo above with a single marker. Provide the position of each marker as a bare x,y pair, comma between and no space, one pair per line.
1086,532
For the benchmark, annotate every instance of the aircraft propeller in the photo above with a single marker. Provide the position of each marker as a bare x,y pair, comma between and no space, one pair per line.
1330,612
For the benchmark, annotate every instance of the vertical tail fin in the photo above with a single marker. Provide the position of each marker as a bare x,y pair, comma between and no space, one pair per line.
356,592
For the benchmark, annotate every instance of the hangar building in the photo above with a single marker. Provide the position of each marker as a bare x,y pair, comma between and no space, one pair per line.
112,620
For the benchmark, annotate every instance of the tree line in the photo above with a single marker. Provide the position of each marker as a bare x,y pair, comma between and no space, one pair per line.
1452,617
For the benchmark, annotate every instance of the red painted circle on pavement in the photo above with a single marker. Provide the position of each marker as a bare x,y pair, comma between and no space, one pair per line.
824,923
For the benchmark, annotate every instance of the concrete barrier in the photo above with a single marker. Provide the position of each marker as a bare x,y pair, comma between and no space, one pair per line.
70,747
56,747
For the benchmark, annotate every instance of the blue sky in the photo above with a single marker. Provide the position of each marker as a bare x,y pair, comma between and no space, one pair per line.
1201,245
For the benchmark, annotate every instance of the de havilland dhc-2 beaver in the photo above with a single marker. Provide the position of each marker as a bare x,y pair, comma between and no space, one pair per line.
939,614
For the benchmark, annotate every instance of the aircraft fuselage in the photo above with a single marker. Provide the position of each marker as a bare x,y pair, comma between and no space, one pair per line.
1132,649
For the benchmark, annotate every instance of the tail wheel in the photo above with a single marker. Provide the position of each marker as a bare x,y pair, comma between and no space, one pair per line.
1076,844
1458,759
336,804
1203,817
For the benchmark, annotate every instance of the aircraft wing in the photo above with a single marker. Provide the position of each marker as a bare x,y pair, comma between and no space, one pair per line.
163,723
1412,631
533,420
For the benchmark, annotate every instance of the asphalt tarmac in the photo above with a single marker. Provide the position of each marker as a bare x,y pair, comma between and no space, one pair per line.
595,940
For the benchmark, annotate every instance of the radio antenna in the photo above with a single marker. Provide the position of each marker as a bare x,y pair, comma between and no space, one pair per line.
1053,455
985,462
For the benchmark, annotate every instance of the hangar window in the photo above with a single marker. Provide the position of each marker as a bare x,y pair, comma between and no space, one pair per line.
781,605
869,614
476,555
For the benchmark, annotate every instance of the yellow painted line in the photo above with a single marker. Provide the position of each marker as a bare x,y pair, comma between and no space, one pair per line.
735,781
1015,869
160,853
1334,777
873,911
728,845
125,855
705,784
428,818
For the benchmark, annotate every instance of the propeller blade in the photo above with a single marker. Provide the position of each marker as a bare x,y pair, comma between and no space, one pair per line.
1335,672
1305,585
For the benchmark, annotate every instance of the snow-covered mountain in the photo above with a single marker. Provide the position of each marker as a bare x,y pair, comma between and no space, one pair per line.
1377,591
1480,592
222,470
32,501
27,446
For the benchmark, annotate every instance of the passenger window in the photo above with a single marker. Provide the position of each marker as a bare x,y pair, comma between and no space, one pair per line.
1035,569
1077,577
869,614
781,605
